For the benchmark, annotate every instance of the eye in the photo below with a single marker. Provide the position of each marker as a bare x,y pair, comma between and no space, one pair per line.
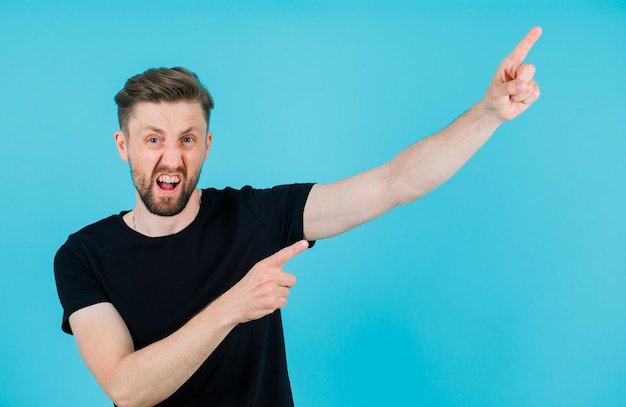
187,139
152,140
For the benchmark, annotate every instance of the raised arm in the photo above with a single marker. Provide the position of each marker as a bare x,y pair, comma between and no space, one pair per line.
334,208
148,376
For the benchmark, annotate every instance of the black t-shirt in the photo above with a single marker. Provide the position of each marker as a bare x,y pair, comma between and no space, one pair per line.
158,284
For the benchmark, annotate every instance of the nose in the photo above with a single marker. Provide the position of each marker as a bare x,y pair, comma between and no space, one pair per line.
172,156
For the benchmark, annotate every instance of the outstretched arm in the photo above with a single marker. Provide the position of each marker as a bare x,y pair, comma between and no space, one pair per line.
334,208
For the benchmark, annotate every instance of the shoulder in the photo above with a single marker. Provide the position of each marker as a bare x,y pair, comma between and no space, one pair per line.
110,225
92,234
277,192
249,195
248,189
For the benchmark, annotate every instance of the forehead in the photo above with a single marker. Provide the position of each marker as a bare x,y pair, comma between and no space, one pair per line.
168,116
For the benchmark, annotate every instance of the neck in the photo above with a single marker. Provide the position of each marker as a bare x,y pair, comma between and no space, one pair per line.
145,222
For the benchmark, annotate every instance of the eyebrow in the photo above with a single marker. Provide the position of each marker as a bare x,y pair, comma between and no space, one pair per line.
160,131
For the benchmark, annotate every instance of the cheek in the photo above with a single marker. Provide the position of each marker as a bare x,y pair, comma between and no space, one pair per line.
143,159
194,160
140,166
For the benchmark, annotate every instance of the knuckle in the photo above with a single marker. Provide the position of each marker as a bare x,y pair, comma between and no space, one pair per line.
280,302
262,263
283,255
267,288
267,302
272,303
265,278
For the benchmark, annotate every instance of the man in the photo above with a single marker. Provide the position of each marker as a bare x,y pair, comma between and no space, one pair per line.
178,301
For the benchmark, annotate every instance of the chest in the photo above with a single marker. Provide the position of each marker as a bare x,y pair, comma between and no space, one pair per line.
159,284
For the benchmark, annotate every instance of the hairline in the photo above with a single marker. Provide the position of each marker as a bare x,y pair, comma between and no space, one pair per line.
131,115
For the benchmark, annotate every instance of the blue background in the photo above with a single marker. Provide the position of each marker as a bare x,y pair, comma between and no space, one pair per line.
504,287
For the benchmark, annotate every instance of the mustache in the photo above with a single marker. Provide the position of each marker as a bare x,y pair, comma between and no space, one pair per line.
169,170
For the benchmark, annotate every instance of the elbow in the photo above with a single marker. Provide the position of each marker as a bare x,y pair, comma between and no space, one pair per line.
126,392
404,190
401,187
404,193
124,397
120,399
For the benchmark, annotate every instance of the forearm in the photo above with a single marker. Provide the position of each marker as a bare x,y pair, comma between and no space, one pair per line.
150,375
424,166
335,208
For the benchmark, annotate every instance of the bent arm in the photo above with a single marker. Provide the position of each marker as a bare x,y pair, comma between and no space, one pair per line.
150,375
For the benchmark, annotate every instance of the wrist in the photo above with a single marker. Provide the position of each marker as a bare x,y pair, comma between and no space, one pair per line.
486,115
219,314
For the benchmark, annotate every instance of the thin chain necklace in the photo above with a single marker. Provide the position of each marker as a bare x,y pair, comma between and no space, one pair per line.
198,196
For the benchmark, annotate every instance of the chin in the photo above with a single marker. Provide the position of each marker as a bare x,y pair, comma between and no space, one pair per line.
164,205
167,207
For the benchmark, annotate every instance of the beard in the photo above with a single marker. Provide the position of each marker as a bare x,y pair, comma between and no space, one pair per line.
164,206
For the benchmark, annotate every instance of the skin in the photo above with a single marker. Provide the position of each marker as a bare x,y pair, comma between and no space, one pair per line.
165,139
148,376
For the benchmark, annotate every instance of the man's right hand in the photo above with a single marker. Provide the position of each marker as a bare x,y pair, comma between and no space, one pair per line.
151,374
265,288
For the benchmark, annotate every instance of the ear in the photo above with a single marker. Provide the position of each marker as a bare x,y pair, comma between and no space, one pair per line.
209,140
122,144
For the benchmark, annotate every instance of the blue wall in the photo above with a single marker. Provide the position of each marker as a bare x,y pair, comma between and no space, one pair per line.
505,287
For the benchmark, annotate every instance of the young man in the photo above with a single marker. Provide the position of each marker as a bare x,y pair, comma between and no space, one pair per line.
178,300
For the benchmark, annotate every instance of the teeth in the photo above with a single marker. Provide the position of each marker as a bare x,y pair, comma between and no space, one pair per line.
168,179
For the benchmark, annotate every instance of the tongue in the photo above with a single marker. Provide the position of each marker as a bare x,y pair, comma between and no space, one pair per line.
166,186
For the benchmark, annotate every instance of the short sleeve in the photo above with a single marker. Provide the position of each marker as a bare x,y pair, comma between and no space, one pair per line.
281,208
77,286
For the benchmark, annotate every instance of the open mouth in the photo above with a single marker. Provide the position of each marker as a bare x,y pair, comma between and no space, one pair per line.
168,182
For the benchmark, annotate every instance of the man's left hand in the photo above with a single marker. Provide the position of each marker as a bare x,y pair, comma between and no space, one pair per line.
513,88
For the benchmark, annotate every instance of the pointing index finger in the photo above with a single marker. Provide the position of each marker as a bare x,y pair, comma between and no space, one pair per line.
524,46
281,257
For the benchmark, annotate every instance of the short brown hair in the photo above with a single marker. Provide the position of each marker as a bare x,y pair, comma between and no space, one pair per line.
161,85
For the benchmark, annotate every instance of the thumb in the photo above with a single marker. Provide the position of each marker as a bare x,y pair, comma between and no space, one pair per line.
281,257
507,89
510,81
